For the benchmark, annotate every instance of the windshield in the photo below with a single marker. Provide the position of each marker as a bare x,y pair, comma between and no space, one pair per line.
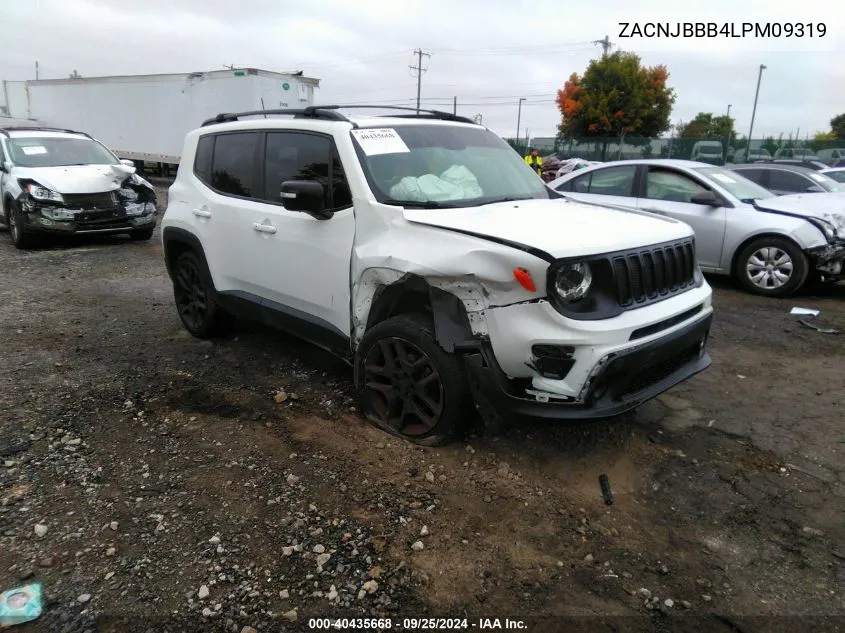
838,176
54,151
444,166
826,182
714,150
738,186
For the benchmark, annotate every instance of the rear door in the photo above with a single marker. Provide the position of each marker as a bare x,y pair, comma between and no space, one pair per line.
783,182
612,186
300,265
669,192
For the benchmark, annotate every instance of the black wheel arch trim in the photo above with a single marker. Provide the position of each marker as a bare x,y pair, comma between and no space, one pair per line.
173,234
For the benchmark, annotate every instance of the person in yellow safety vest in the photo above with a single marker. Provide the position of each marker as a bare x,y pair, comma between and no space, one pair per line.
534,161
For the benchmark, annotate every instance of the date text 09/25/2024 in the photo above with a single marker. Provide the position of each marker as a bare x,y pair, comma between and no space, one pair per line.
416,624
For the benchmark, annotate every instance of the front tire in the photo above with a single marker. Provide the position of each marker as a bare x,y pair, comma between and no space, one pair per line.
195,296
21,238
407,385
772,267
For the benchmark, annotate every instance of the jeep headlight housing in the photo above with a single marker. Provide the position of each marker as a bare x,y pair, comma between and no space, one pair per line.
571,281
42,193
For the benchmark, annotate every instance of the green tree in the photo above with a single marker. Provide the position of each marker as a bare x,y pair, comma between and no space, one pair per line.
616,96
837,126
707,126
770,145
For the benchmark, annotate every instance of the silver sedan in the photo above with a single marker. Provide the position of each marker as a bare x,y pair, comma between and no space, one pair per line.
773,245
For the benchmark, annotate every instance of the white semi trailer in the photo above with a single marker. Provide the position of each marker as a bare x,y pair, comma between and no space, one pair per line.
145,117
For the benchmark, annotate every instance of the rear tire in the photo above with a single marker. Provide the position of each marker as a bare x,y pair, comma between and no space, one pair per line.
772,267
21,238
407,385
195,296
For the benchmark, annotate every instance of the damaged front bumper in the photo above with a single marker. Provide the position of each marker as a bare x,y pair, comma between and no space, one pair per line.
622,381
829,260
97,213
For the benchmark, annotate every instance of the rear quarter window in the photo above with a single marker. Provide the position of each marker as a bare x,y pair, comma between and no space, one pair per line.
202,160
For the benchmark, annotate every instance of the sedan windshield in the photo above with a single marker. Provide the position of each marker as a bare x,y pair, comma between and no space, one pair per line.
54,151
438,166
838,176
738,186
826,182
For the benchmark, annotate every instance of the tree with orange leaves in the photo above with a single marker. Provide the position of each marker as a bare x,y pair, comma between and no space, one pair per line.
618,97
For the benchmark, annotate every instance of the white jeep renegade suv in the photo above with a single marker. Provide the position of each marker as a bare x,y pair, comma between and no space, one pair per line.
424,251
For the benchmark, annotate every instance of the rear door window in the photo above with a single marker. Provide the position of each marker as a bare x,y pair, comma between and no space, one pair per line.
783,180
233,167
610,181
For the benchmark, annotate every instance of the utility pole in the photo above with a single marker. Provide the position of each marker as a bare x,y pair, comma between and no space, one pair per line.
36,71
754,111
605,44
728,133
518,117
454,105
419,70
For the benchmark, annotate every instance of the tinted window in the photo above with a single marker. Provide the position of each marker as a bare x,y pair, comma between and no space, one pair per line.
783,180
233,171
838,176
663,184
612,181
754,175
292,156
202,161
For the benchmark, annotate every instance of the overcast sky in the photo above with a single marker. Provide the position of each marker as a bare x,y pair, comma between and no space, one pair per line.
485,53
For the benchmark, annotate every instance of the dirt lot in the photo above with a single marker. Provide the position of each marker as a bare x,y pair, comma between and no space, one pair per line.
178,494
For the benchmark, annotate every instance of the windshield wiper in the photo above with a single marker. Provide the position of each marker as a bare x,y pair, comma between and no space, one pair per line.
419,204
504,199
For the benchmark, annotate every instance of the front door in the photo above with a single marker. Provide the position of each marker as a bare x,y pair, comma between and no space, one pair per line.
668,192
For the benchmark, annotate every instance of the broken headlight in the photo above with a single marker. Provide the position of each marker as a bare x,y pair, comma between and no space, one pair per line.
571,281
42,193
58,214
827,229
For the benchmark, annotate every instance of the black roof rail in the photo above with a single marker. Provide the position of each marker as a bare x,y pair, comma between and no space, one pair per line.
330,113
311,112
421,113
27,128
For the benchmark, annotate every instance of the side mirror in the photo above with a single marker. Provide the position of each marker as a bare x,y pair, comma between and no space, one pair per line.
814,189
127,162
306,196
707,198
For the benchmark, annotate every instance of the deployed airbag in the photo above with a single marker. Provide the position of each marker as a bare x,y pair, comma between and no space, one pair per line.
456,183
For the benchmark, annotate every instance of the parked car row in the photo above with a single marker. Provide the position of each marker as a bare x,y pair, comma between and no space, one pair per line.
771,244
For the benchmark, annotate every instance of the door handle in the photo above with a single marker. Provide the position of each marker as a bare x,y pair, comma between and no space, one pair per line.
201,213
264,228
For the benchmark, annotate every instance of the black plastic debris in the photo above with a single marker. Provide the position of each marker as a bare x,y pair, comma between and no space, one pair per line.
606,493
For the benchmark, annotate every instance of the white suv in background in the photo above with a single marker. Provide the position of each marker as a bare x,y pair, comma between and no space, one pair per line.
62,182
424,251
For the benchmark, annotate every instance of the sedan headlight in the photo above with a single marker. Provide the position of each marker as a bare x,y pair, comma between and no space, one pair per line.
827,229
572,281
42,193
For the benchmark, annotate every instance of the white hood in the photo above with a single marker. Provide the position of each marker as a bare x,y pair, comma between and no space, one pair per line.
561,228
826,206
77,178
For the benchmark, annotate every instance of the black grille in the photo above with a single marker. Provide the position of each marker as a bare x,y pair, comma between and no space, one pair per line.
649,275
106,200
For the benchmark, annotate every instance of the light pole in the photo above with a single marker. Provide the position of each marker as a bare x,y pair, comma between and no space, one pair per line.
518,117
728,133
753,112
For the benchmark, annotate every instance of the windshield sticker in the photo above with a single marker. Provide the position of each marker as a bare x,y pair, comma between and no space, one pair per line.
380,141
34,149
817,178
724,178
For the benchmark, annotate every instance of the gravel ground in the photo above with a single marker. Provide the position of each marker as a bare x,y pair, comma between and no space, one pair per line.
154,482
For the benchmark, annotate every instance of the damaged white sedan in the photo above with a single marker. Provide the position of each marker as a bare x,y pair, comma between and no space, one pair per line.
425,252
63,182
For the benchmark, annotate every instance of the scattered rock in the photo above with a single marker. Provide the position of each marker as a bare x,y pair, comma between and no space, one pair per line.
214,540
332,595
280,397
40,530
290,616
686,604
85,597
287,551
424,531
418,546
111,551
114,525
109,576
26,573
248,629
706,598
669,602
319,549
47,562
284,594
812,531
371,586
429,476
202,594
322,559
589,558
375,572
292,479
645,593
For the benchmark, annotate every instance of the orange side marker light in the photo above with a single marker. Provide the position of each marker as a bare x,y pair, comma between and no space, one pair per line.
524,279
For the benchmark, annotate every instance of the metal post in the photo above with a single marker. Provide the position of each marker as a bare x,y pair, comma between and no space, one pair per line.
36,71
454,105
419,53
754,112
728,133
518,117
